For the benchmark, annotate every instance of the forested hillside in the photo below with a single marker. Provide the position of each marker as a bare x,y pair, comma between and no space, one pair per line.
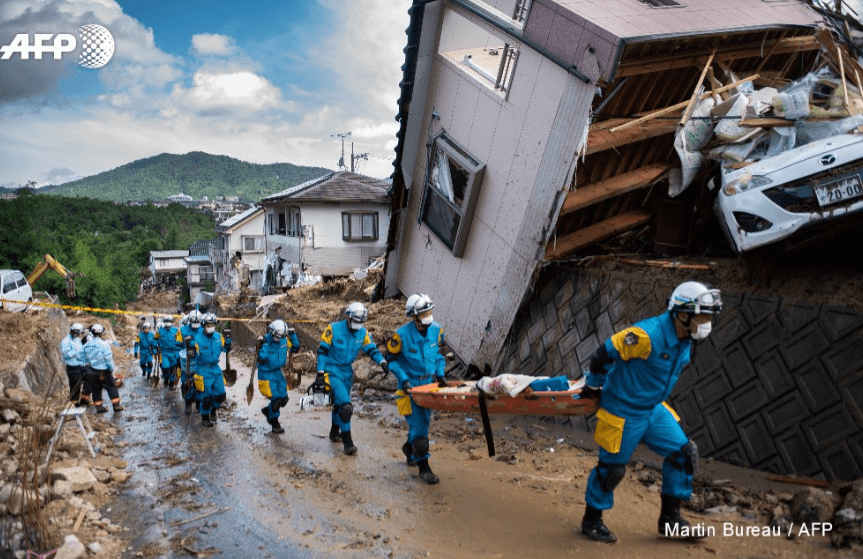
197,174
106,241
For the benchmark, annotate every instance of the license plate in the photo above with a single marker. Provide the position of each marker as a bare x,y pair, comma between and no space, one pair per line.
839,191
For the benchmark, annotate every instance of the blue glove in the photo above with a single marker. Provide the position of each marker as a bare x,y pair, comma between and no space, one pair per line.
406,385
385,366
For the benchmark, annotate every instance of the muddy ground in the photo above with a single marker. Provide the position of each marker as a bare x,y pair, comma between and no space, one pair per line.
237,490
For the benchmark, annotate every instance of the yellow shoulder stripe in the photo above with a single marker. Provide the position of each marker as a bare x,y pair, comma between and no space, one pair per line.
327,336
394,346
632,343
367,340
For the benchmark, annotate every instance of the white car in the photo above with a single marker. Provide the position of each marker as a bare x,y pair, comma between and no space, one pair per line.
799,190
14,287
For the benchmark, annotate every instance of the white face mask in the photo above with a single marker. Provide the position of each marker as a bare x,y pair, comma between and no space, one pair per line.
209,329
702,331
426,320
354,325
194,325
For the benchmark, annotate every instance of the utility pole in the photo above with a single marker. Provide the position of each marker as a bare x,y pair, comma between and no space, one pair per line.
342,166
355,157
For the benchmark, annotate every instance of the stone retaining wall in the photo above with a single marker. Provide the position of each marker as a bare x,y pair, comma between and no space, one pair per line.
777,386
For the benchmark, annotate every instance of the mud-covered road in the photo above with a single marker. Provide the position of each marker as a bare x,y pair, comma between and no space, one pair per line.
237,490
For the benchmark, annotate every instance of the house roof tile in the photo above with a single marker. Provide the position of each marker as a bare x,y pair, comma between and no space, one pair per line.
337,187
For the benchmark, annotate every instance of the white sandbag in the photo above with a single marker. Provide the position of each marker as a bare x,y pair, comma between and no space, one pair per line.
729,128
697,131
690,163
792,104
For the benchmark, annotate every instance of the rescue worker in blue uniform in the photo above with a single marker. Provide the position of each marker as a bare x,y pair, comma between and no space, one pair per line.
208,379
101,363
169,347
186,339
145,346
340,344
416,359
75,360
271,358
633,373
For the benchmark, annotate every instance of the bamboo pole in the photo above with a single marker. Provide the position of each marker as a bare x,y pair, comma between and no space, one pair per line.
694,99
679,106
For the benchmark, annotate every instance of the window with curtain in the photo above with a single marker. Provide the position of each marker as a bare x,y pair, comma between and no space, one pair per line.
359,226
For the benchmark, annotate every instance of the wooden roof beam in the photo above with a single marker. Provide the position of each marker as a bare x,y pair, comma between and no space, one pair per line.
583,238
615,186
650,64
601,139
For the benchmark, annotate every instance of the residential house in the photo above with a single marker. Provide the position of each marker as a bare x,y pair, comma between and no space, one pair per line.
166,265
330,225
200,275
510,162
242,234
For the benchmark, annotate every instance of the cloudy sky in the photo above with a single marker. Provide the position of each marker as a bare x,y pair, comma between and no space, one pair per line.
265,81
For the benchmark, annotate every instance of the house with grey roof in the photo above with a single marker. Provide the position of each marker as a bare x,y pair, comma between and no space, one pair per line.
165,264
328,226
241,261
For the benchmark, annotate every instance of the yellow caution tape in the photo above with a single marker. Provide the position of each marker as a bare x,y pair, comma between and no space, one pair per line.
118,311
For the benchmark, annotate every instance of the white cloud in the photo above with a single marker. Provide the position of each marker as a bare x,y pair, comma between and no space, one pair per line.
212,44
218,92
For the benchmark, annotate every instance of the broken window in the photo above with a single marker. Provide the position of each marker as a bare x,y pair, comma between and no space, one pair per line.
359,226
453,179
277,223
293,229
478,51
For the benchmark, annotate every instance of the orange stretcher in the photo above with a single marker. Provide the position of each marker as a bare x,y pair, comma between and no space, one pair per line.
463,396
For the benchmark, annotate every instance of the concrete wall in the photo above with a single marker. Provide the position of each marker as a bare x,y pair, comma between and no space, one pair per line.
777,386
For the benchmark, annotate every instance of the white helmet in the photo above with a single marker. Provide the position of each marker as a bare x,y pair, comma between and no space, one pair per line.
694,297
97,329
146,326
168,321
418,303
77,328
278,329
357,312
194,318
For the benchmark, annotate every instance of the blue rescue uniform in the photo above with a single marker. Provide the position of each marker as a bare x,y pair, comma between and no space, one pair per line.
186,377
416,357
145,347
646,361
208,378
337,351
271,382
75,360
166,339
101,362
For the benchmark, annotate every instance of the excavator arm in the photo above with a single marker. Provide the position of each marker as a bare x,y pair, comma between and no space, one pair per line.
49,262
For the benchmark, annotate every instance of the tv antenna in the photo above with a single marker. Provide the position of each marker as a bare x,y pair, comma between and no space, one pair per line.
342,166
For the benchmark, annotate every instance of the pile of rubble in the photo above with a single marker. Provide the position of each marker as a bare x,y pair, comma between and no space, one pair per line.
40,503
841,506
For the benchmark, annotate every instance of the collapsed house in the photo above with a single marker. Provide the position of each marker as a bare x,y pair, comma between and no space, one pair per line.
532,131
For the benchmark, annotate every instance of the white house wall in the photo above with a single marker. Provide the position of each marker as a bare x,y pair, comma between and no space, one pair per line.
528,144
251,228
330,254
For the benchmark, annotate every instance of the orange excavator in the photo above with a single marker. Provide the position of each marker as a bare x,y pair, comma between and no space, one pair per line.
49,262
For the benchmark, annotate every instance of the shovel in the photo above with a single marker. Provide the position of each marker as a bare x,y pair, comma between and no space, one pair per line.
229,374
292,379
250,391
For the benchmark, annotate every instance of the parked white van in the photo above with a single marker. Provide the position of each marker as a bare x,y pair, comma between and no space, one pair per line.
14,287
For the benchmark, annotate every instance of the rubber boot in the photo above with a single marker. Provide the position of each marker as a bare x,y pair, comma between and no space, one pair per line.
277,428
350,448
100,408
425,472
213,416
671,524
266,411
593,527
188,409
118,407
205,421
407,448
335,435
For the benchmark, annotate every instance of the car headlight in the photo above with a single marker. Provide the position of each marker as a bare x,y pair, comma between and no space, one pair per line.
744,183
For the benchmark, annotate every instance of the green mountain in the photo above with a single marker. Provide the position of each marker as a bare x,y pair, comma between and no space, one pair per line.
197,174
